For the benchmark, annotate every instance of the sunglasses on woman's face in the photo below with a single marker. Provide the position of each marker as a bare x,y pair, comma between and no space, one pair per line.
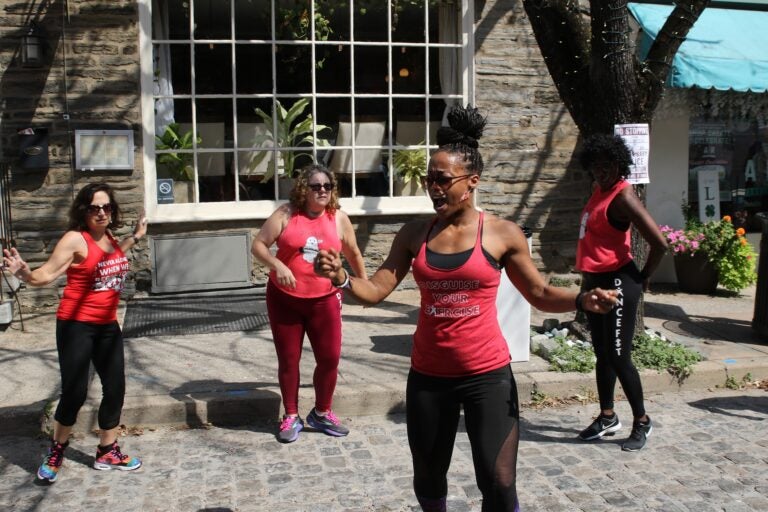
441,180
93,209
317,187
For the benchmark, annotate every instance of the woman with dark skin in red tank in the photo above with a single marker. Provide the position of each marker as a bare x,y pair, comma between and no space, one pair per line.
460,358
604,258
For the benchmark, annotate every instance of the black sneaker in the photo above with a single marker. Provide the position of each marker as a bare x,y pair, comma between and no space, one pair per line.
640,433
328,424
602,426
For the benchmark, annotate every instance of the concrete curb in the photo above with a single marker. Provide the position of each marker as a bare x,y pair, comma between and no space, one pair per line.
244,407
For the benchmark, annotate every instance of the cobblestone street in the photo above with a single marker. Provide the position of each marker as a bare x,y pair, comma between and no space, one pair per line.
708,451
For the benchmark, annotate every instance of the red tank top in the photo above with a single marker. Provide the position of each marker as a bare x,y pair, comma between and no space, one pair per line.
602,247
94,285
297,248
457,333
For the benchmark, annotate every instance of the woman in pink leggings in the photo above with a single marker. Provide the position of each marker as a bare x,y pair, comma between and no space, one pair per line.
300,302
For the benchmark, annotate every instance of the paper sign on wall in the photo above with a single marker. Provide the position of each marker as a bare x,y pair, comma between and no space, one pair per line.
638,139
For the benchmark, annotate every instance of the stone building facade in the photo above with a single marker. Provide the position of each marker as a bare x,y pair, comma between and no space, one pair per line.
91,79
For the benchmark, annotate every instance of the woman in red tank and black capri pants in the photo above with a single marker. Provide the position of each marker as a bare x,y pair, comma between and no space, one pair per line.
86,321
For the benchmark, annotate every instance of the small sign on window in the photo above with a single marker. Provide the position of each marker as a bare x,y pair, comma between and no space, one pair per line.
165,191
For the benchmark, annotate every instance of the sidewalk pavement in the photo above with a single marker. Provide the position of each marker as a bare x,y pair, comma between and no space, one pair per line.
230,378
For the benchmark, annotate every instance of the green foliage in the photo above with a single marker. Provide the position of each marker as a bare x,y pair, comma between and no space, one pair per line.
657,354
293,130
538,397
560,282
648,352
411,164
572,358
727,248
732,383
178,166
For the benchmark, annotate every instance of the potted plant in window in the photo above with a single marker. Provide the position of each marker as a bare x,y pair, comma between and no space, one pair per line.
411,167
293,129
177,166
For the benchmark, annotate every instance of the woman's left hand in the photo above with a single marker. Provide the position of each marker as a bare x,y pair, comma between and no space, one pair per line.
140,229
598,300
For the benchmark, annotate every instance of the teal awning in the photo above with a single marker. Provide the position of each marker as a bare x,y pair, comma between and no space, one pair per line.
725,49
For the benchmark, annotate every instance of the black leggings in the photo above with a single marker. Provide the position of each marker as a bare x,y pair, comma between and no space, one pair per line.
612,337
491,417
78,344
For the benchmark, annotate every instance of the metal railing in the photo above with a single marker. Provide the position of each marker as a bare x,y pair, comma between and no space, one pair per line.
6,222
7,285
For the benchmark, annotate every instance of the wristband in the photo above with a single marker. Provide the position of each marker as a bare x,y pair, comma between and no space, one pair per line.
135,239
345,284
579,305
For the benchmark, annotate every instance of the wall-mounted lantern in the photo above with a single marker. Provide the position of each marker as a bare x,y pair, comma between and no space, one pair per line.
33,46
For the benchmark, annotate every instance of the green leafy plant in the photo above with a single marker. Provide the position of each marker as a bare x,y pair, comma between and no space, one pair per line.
574,357
410,164
724,244
732,383
296,24
294,129
649,352
178,166
658,354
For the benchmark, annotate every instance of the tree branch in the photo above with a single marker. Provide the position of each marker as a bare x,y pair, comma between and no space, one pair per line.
658,63
563,38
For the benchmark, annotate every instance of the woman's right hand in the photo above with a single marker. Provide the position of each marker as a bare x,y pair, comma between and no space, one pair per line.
284,275
13,261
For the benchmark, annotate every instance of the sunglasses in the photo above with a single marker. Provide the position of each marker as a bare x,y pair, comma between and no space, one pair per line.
441,180
317,187
94,209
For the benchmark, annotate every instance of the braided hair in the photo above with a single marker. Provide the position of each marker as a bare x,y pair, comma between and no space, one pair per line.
465,127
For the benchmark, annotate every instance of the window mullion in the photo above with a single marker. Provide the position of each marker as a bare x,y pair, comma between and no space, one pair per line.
275,152
390,106
233,91
193,94
353,117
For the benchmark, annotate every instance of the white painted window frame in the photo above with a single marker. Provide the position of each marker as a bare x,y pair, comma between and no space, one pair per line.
219,211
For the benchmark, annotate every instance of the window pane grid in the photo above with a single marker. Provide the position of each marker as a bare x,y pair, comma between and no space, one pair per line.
321,142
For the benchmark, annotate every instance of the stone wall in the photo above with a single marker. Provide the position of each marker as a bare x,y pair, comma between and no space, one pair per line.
529,174
89,80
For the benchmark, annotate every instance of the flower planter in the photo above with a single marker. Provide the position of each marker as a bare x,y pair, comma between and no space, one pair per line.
696,274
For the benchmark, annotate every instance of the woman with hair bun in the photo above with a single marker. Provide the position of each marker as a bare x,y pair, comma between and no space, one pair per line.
460,357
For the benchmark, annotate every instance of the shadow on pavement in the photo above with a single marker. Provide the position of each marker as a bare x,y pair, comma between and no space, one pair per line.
677,321
396,344
222,404
737,406
538,433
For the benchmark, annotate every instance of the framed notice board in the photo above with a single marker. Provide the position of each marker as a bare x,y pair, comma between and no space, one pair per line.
104,149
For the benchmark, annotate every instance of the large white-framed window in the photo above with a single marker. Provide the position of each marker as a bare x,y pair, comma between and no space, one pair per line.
238,94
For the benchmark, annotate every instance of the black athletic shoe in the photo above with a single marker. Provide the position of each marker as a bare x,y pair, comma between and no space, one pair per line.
640,433
602,426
